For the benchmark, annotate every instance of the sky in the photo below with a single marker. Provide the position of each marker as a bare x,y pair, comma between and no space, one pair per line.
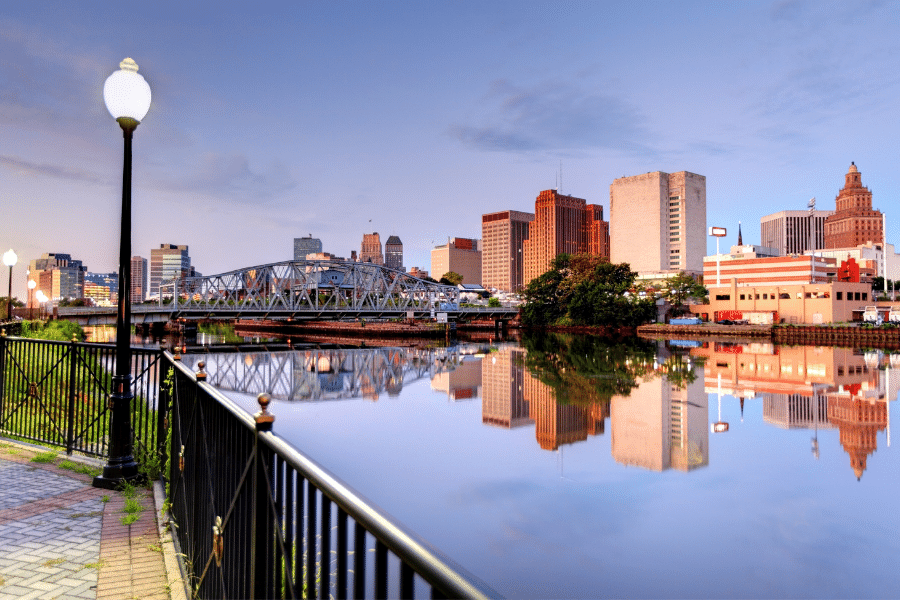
276,120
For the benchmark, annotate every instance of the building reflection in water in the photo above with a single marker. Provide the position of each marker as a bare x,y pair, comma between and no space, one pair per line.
662,424
810,387
654,394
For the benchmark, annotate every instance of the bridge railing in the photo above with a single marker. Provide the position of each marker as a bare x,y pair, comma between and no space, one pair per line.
57,393
258,518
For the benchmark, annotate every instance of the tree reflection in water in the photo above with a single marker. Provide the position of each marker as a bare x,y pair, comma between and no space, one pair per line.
584,369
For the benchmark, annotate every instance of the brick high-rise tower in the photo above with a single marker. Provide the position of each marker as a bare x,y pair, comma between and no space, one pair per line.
562,224
854,222
371,249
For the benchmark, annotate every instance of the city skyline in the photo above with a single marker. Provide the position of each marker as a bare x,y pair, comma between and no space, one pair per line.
340,120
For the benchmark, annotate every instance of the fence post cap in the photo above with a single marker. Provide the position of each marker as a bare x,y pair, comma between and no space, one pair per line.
201,374
264,418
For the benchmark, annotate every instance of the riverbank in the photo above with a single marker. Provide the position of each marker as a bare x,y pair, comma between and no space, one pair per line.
345,329
812,335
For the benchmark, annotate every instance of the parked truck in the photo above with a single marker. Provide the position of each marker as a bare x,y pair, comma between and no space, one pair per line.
872,316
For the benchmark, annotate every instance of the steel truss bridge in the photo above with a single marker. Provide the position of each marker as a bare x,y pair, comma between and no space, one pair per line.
315,286
296,290
319,375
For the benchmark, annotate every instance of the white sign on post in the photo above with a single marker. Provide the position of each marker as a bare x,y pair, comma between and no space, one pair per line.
442,317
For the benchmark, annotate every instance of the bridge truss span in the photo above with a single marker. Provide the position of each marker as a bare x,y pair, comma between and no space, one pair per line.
310,286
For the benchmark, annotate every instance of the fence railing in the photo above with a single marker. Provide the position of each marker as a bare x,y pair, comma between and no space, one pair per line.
57,393
256,518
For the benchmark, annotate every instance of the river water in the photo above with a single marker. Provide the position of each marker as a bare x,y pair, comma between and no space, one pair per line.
569,466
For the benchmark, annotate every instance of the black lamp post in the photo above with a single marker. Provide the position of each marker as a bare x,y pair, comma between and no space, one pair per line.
9,259
127,98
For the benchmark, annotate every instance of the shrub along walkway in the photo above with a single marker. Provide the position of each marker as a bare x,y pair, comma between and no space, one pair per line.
62,538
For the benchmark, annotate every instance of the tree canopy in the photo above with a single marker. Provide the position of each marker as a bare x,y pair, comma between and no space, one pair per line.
585,290
451,278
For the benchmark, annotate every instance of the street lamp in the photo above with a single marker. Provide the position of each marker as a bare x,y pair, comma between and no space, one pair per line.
31,285
41,298
127,98
9,259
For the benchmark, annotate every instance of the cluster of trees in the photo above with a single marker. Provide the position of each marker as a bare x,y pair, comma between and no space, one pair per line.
584,289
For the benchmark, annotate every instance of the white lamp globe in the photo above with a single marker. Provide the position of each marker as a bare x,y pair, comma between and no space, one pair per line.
10,258
32,284
126,93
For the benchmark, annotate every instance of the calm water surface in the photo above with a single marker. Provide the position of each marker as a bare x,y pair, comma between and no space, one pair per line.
573,467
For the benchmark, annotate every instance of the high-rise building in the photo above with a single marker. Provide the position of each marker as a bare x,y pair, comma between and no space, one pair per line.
562,224
502,235
306,245
138,279
657,222
393,253
58,276
459,255
788,231
371,249
854,222
103,288
168,262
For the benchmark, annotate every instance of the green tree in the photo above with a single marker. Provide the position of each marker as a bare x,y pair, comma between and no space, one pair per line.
585,290
681,288
494,302
451,278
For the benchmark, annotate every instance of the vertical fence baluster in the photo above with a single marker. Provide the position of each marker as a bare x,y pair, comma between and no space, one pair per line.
341,553
381,569
290,522
70,401
310,540
406,580
359,561
325,578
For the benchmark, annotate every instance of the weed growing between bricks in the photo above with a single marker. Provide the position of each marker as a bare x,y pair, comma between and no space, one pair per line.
44,457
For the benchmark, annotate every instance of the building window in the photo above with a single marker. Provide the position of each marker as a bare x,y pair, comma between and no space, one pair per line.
865,296
840,295
784,296
723,296
742,297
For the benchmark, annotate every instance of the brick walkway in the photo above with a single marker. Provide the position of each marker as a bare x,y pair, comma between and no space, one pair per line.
60,539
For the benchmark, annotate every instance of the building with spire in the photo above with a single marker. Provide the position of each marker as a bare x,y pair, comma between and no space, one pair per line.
854,221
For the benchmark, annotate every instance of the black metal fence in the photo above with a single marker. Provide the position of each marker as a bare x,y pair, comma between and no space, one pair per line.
57,393
256,518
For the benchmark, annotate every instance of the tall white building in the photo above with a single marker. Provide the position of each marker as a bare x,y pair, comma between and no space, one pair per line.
789,230
657,222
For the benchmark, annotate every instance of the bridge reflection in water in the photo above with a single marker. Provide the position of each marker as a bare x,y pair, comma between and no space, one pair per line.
655,396
320,375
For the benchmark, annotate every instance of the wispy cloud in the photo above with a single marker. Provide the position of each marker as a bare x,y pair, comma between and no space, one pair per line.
23,166
552,116
231,177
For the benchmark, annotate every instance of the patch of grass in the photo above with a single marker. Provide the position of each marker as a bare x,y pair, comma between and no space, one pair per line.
96,565
79,468
2,581
95,513
12,451
132,507
44,457
155,547
105,498
55,561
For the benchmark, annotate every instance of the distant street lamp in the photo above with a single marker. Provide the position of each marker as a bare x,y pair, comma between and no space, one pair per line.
31,285
127,97
718,232
9,259
41,298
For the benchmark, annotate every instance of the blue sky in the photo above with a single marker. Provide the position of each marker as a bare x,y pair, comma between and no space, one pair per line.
274,120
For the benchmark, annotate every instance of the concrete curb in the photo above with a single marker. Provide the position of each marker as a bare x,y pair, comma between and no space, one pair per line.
175,576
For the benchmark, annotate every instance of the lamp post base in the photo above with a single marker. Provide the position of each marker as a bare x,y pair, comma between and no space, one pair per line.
119,472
